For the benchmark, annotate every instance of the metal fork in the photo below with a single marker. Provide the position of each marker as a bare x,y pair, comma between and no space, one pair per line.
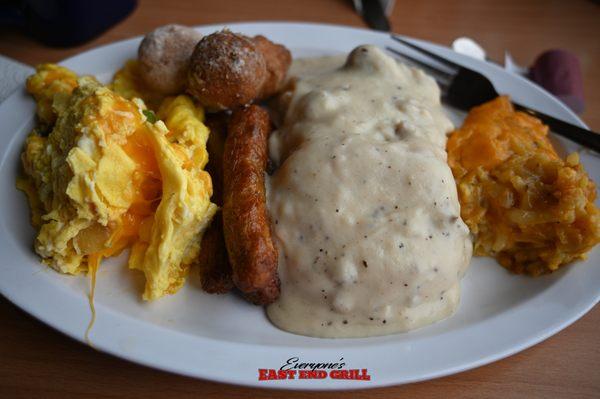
464,88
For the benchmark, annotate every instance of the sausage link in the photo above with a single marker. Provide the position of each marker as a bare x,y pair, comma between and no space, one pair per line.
246,225
213,261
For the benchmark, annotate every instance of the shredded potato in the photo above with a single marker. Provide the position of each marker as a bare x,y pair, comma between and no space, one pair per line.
525,206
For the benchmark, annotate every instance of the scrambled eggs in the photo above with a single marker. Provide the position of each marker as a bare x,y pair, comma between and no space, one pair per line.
109,176
128,83
49,83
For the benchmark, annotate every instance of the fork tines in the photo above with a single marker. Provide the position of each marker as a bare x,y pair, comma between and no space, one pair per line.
421,50
443,74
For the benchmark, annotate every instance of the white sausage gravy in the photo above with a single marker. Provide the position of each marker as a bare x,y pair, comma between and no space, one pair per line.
363,206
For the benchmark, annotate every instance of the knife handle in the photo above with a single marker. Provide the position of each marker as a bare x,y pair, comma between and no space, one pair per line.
374,15
585,137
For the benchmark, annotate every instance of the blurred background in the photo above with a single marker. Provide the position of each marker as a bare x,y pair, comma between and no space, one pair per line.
34,31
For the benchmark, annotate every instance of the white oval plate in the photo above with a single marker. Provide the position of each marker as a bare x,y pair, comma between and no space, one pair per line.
223,338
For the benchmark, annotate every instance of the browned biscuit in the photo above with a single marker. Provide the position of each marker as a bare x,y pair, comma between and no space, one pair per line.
226,71
164,57
278,60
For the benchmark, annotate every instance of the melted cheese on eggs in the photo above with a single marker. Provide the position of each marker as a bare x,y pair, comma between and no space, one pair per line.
105,179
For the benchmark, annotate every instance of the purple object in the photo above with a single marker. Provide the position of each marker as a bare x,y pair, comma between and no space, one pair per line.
559,72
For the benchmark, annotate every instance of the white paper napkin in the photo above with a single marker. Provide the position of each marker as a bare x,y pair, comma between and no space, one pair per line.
12,75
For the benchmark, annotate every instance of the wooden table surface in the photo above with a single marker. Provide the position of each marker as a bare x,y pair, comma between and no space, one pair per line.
37,362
